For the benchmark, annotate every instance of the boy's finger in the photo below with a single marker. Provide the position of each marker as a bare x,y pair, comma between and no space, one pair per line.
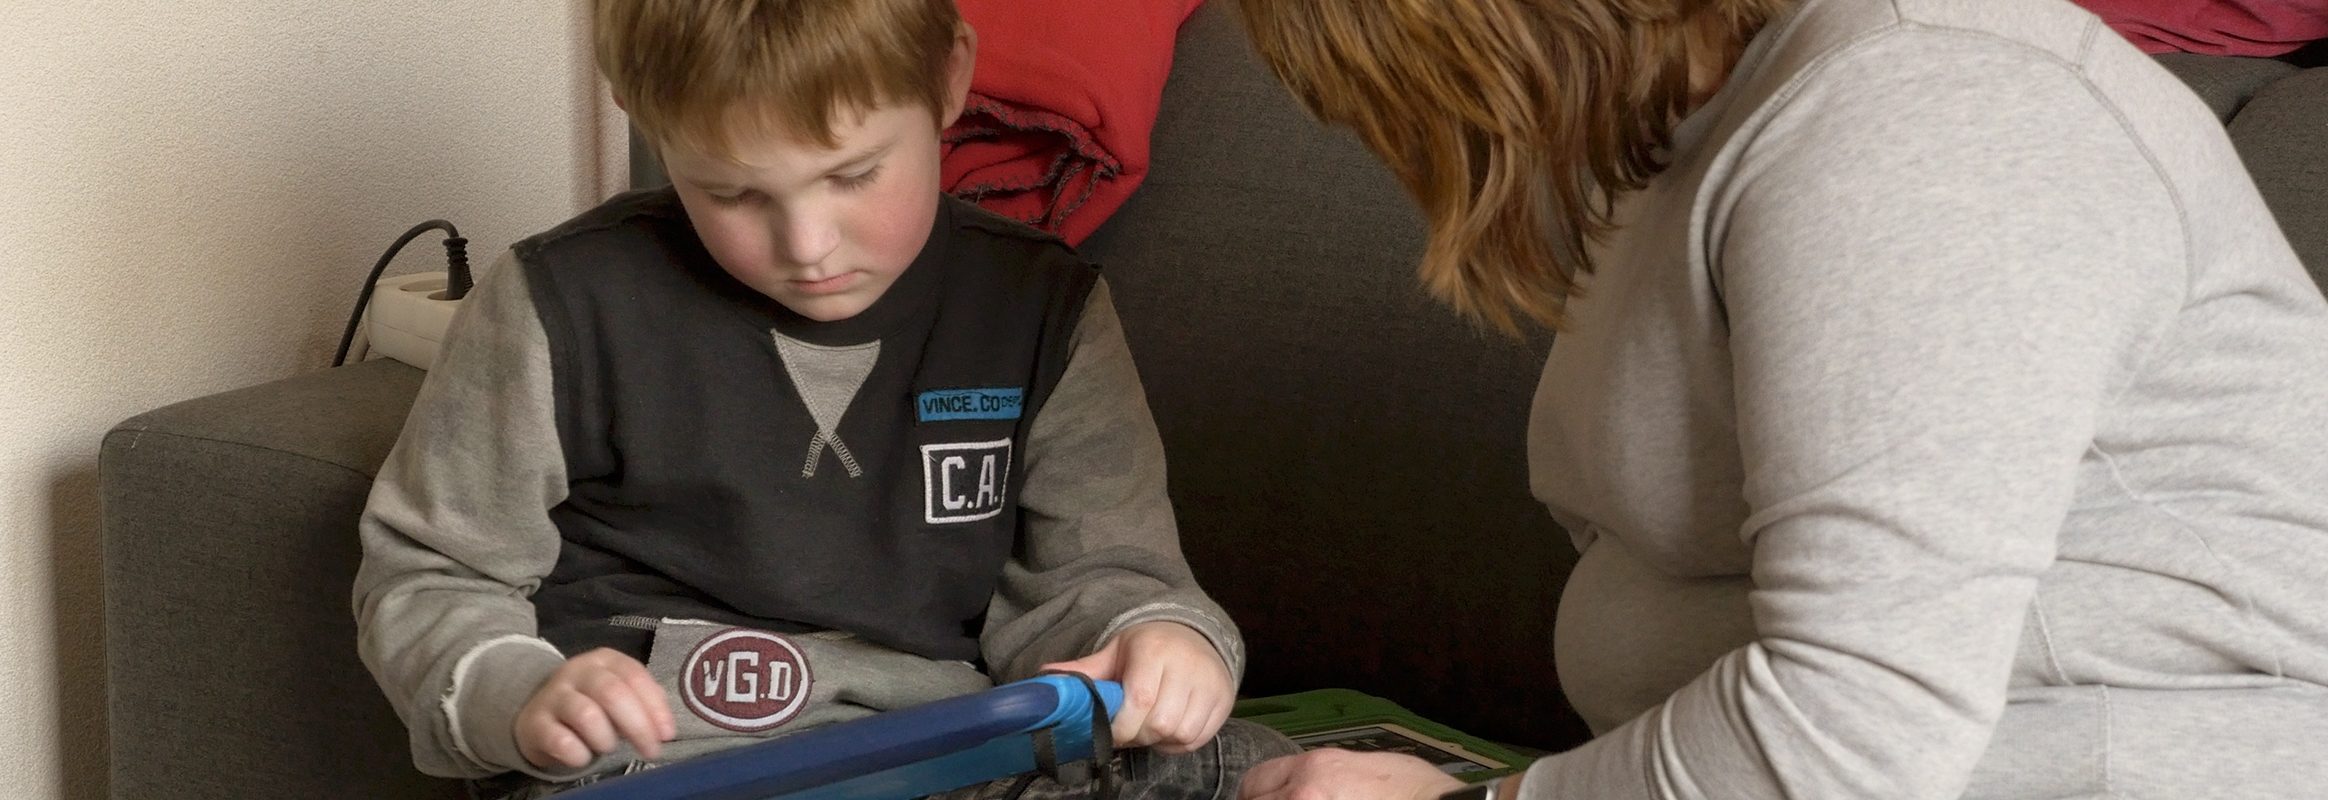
1212,724
631,718
580,714
651,697
1141,683
1186,734
1168,723
567,748
1208,710
546,743
1127,725
1131,717
1202,720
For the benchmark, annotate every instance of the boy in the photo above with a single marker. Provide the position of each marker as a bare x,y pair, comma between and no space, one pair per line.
794,441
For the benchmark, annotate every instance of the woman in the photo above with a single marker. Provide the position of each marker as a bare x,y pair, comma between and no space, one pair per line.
1937,409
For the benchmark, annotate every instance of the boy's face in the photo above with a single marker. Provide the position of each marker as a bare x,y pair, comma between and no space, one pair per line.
824,231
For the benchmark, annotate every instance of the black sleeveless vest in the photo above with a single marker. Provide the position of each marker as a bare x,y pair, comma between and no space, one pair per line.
701,486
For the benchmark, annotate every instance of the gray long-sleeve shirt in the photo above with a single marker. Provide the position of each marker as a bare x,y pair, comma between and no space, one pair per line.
457,536
1949,419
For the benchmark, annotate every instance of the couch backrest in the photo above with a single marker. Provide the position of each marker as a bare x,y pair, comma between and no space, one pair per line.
2277,113
1347,457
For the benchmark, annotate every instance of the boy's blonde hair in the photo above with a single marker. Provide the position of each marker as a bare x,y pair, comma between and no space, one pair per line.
700,74
1515,124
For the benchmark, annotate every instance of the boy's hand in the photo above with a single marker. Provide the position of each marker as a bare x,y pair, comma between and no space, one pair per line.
1176,688
587,706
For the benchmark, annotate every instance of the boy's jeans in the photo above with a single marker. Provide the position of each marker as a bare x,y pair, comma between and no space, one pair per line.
1209,773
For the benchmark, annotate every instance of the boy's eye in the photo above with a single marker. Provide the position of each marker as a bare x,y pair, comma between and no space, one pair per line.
857,181
743,198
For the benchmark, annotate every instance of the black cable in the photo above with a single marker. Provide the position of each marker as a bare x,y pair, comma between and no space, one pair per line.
1102,743
1018,788
1102,747
457,280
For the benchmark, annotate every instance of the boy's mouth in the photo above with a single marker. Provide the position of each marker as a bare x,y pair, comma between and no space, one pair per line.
832,285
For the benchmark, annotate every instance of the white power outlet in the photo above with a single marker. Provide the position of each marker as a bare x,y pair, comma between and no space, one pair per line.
408,317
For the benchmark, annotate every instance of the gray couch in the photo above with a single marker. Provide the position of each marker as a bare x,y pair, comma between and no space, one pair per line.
1346,458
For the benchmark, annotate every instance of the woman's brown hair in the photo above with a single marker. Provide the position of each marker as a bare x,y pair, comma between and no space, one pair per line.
1515,124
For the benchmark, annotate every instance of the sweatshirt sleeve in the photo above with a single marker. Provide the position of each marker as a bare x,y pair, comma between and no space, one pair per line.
1937,263
1101,550
456,536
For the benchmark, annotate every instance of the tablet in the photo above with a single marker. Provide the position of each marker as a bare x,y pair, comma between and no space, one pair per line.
1355,720
1449,757
910,752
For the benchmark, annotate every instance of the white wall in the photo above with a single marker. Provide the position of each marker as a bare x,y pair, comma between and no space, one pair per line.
190,193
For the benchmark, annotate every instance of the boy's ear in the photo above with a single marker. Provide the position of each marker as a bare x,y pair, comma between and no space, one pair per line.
960,63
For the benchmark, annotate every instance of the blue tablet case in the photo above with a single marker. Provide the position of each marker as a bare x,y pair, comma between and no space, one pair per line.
905,753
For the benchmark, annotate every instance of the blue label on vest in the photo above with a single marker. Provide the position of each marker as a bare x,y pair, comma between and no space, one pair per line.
946,405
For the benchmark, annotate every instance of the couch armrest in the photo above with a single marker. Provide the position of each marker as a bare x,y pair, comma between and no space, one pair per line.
230,547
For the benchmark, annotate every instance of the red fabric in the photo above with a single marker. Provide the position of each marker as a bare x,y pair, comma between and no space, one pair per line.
1061,103
2261,28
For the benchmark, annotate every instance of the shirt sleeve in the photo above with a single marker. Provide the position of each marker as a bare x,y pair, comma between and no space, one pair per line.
1934,277
1101,549
457,535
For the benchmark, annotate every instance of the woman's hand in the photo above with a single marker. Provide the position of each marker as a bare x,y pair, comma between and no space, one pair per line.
1344,775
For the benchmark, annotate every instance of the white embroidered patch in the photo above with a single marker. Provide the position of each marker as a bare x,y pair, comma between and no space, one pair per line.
745,680
964,481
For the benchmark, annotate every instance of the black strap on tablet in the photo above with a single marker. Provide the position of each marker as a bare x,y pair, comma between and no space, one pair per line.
1099,772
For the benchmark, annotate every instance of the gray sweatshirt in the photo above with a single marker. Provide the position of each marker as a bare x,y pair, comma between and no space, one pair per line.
1949,419
458,534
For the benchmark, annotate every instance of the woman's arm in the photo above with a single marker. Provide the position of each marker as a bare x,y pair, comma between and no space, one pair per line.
1938,260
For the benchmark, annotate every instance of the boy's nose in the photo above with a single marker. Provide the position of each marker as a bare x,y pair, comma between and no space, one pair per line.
807,240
